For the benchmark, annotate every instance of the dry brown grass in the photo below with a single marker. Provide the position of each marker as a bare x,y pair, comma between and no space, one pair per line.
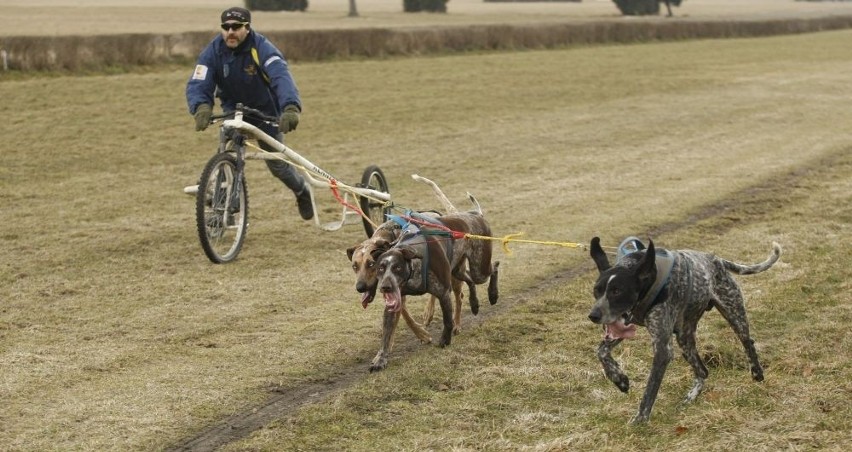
116,333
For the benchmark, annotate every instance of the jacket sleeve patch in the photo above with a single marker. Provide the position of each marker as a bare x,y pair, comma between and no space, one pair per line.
271,60
200,72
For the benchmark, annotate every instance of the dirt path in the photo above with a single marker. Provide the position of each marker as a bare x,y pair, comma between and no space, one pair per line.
746,206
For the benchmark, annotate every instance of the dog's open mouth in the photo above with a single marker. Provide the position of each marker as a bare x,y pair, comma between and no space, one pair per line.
619,330
367,297
393,300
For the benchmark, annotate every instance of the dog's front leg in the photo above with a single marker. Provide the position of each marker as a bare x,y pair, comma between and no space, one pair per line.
389,323
661,337
611,368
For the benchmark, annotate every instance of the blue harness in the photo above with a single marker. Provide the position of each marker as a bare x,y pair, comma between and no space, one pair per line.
664,261
411,230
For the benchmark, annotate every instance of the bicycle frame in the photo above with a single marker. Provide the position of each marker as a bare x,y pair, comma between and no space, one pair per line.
314,175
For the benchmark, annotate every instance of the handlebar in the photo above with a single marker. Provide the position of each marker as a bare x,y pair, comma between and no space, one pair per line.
314,175
246,111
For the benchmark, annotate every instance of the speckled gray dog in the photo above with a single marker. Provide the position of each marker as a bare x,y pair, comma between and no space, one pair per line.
668,292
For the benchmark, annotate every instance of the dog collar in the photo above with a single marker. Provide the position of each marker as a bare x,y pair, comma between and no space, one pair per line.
664,261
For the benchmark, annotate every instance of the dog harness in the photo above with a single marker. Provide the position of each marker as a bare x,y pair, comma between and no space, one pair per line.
664,261
411,230
424,220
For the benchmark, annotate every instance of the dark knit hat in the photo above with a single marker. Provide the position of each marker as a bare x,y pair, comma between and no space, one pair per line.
236,13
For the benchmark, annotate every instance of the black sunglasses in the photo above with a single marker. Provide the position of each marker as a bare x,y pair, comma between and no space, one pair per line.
233,25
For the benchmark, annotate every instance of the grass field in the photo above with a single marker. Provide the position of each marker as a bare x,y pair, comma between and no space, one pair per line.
116,333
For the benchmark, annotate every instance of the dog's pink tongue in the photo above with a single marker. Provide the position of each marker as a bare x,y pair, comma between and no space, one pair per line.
618,330
393,300
366,298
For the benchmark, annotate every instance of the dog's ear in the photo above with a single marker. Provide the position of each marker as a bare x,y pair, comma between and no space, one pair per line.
377,252
647,270
380,246
350,251
409,253
598,255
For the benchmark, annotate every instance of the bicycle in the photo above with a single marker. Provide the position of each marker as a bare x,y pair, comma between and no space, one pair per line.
222,198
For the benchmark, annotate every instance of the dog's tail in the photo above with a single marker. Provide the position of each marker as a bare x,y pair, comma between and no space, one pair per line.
448,206
756,268
476,207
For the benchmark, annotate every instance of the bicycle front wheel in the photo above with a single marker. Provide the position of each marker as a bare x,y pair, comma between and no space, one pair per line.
221,209
374,211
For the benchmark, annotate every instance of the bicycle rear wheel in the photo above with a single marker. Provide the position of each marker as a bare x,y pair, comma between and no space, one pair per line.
221,209
374,210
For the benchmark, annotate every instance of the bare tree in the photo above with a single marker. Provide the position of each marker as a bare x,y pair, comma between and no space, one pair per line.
353,9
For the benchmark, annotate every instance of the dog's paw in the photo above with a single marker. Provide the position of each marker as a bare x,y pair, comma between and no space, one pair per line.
639,419
623,383
378,364
377,367
697,387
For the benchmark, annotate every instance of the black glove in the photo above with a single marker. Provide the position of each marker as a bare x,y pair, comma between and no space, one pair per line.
202,116
289,119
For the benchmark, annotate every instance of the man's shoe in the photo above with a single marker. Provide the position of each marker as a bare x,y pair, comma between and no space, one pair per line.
306,207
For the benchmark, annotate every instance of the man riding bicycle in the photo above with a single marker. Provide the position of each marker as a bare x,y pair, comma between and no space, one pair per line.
242,66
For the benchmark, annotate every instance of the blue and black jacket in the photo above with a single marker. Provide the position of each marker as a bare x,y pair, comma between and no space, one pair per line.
234,77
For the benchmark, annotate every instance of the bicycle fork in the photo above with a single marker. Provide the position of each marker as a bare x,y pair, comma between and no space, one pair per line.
234,201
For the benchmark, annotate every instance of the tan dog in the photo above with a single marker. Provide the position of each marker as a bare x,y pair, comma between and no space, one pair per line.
455,260
364,255
427,260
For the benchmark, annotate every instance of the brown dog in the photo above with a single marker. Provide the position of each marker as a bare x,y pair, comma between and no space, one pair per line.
427,261
364,264
363,257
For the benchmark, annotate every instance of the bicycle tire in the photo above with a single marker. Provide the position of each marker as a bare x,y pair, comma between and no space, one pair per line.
222,226
374,211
